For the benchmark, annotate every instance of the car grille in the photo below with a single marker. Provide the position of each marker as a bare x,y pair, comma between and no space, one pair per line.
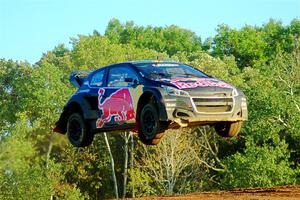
213,104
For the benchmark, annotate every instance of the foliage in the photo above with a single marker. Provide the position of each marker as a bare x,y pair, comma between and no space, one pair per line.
23,172
272,89
262,61
255,45
97,51
259,166
170,39
13,86
175,164
88,168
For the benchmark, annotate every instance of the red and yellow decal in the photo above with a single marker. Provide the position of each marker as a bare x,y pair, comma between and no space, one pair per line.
116,106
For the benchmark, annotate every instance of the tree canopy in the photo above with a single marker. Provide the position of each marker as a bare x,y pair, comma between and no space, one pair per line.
263,61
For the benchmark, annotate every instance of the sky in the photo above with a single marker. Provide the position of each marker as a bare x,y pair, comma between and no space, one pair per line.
29,28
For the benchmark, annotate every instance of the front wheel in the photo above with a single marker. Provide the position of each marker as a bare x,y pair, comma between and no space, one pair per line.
228,129
151,129
77,131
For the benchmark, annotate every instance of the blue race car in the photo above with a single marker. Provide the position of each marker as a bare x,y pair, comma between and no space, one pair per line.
149,97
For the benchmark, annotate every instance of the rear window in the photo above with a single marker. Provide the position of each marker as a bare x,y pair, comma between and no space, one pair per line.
97,79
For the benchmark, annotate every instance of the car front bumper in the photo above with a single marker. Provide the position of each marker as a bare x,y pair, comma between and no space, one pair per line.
206,109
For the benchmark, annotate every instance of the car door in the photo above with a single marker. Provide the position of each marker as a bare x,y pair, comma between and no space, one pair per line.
117,101
96,81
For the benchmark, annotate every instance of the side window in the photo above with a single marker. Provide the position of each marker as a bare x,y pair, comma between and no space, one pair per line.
117,76
97,79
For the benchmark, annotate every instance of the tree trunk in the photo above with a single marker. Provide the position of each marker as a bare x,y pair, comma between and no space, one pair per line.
112,166
48,157
131,161
49,153
126,139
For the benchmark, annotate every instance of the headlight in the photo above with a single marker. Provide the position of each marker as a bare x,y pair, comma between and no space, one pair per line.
174,91
235,92
244,103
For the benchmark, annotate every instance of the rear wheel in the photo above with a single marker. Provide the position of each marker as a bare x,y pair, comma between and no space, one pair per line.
228,129
151,129
77,131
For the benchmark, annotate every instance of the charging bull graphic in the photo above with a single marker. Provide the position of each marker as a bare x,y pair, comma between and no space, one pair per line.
117,106
183,83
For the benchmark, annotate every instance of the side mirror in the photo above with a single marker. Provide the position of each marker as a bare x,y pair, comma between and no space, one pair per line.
133,82
128,80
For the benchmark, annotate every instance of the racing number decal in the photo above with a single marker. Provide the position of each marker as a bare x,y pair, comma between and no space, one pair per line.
117,106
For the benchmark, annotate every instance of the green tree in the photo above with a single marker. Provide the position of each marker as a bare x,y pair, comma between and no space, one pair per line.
13,89
92,52
22,171
272,133
263,61
246,45
254,45
171,39
258,167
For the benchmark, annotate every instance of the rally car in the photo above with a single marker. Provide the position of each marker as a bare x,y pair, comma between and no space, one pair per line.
149,97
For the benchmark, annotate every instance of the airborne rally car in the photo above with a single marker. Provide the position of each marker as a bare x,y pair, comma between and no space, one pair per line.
149,97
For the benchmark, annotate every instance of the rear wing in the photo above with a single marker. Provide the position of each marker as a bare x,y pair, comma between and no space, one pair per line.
77,78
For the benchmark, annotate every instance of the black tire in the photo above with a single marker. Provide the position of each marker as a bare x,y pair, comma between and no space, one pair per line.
151,129
78,132
228,129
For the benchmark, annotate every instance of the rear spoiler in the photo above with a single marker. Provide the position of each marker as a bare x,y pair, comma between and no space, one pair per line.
77,78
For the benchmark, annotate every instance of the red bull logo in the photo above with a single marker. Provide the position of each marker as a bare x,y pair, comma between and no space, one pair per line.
183,83
117,106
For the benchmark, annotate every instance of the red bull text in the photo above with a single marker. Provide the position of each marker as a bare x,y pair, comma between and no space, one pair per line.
183,83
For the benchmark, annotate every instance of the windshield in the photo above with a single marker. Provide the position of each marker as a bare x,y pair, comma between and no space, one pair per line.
169,70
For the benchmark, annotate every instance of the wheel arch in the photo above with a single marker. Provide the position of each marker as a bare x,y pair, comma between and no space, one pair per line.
70,108
73,107
150,95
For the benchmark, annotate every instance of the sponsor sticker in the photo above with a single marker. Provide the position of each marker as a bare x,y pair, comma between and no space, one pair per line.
116,106
183,83
165,65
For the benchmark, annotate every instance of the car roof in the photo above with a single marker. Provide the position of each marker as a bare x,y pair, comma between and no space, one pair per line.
151,61
137,62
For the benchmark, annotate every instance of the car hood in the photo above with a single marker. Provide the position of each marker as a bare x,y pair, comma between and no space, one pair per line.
207,86
188,83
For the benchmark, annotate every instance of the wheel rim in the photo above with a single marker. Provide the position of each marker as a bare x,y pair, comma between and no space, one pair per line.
223,127
149,123
75,129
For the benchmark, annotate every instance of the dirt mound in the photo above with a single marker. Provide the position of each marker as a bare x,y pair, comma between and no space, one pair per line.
272,193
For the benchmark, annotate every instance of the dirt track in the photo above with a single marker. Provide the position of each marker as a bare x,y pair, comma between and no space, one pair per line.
274,193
